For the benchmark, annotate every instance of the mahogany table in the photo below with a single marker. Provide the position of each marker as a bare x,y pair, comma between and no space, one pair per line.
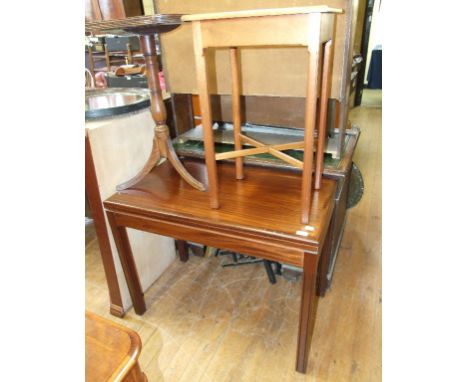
259,218
112,352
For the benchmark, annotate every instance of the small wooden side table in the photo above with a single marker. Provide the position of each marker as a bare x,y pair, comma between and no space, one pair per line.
146,27
259,218
311,27
112,352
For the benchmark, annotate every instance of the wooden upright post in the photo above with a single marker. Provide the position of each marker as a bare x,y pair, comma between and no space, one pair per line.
205,108
236,112
310,116
322,128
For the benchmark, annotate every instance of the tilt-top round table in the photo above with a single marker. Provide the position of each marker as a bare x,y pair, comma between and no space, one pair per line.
146,27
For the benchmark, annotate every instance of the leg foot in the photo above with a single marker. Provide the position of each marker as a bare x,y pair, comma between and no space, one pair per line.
117,310
269,271
182,248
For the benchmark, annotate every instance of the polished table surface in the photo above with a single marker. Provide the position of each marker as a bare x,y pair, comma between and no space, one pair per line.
258,216
266,202
112,351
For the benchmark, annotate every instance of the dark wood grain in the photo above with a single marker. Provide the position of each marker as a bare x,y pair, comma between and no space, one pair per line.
265,204
308,311
182,248
265,110
141,25
181,119
325,258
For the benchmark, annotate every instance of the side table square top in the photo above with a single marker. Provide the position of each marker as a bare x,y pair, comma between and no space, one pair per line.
261,12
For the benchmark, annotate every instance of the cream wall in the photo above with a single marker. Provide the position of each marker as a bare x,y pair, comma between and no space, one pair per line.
148,7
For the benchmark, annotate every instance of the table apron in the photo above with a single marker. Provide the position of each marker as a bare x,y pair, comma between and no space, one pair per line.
217,238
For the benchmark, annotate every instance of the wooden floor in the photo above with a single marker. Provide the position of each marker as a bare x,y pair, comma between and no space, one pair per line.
208,323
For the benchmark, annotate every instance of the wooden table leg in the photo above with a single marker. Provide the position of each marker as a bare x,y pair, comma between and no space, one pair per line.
310,113
182,248
205,108
322,128
128,264
236,111
162,145
324,262
309,302
95,204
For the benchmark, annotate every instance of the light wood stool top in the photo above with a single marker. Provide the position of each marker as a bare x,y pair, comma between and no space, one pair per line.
261,12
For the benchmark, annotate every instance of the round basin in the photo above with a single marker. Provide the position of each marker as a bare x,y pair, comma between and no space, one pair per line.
109,102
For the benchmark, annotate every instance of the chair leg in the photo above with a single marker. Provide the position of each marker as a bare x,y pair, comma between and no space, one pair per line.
309,304
182,248
322,129
205,108
236,113
269,271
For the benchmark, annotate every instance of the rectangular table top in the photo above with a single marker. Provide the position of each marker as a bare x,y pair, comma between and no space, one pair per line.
261,12
266,204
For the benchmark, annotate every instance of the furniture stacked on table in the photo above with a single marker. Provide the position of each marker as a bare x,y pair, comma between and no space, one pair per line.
272,96
313,29
271,213
342,170
272,78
